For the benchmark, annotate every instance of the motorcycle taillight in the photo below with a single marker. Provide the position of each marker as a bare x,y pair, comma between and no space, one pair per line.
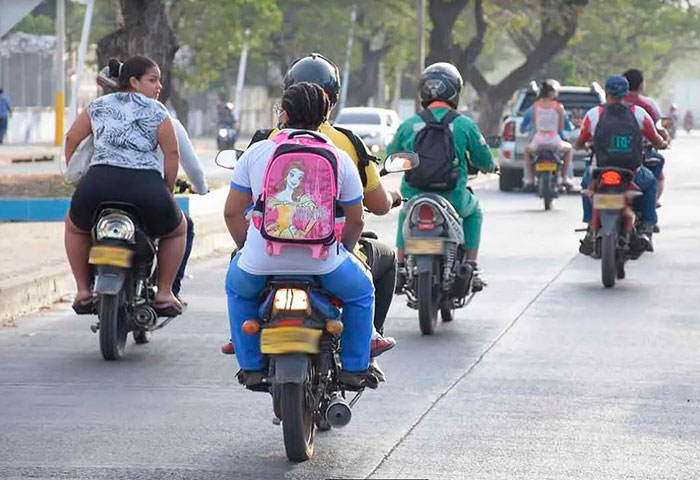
509,131
426,217
611,178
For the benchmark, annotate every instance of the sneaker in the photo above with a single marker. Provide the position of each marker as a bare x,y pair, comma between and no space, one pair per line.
587,246
478,279
657,229
357,380
250,378
227,349
645,233
376,370
381,344
528,188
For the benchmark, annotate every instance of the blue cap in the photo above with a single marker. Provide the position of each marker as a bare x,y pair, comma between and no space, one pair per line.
617,86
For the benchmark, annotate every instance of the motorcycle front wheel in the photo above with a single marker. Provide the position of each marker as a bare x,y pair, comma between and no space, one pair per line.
112,326
427,303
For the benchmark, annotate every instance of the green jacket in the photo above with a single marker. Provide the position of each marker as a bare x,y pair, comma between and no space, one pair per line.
469,146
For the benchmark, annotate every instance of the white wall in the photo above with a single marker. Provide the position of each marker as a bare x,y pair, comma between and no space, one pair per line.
32,125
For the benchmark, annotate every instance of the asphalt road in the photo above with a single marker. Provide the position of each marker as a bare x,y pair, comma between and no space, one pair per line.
545,375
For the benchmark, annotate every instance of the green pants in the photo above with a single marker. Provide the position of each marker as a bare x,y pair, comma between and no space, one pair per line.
471,214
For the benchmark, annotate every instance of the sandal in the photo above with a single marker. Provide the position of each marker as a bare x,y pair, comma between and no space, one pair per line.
85,307
167,309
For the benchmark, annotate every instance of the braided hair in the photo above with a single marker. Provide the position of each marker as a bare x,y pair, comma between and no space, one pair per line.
306,104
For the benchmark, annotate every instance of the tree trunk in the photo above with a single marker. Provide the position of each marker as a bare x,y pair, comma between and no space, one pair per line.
182,108
558,19
146,31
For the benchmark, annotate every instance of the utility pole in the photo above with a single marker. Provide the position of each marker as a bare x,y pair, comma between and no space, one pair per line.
240,79
82,51
420,64
348,55
60,95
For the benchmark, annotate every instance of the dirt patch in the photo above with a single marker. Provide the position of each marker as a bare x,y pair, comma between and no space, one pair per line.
35,186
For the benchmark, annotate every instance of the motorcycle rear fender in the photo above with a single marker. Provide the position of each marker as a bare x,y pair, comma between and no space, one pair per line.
609,221
109,280
424,263
291,368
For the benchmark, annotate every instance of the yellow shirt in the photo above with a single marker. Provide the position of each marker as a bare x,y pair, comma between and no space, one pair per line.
342,142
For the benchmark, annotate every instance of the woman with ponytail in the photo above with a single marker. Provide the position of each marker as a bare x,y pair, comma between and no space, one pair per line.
128,126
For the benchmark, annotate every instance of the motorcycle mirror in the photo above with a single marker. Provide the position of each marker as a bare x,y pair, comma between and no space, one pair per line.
401,162
494,141
228,158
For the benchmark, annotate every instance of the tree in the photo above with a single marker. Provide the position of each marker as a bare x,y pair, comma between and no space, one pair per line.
649,35
146,30
556,21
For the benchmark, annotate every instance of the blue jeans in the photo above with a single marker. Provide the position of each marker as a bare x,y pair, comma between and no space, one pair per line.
658,169
645,204
177,284
351,282
3,128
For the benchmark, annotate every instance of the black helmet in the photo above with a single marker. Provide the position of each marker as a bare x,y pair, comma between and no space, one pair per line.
315,68
440,81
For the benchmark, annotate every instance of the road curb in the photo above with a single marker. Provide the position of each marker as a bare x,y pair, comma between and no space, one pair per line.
31,292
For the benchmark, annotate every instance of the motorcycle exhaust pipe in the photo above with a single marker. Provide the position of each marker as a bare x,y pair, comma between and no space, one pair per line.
338,412
145,316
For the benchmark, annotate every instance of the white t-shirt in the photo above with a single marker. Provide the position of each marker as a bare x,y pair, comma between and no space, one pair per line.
294,260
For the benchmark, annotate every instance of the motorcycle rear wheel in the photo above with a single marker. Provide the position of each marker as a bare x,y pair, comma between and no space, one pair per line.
427,303
112,327
547,191
298,423
608,259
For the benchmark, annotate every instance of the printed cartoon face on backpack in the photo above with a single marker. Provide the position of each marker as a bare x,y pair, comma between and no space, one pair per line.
299,200
297,205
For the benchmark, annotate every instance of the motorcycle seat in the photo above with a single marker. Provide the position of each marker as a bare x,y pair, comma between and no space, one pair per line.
440,200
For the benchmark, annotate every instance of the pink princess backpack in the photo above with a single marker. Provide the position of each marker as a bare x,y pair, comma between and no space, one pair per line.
298,204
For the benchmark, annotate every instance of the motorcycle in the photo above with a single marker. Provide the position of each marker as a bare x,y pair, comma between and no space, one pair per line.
548,167
226,137
124,271
300,331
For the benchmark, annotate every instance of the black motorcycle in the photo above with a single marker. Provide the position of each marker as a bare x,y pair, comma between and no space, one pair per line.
124,271
300,331
548,168
438,276
225,137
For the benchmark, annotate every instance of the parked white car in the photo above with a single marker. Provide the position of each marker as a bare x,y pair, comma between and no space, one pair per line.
376,126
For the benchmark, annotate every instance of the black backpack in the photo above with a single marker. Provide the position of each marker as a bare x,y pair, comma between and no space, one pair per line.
434,145
618,139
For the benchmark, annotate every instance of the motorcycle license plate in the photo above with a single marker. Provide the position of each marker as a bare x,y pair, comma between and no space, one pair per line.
115,256
546,167
279,340
424,246
608,201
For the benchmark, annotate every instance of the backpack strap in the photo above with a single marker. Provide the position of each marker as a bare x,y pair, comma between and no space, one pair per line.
363,156
262,134
427,116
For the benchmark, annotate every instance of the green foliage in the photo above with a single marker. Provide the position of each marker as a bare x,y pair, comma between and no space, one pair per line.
214,32
615,35
36,24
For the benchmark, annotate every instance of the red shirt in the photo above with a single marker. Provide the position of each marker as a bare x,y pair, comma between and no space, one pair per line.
640,101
